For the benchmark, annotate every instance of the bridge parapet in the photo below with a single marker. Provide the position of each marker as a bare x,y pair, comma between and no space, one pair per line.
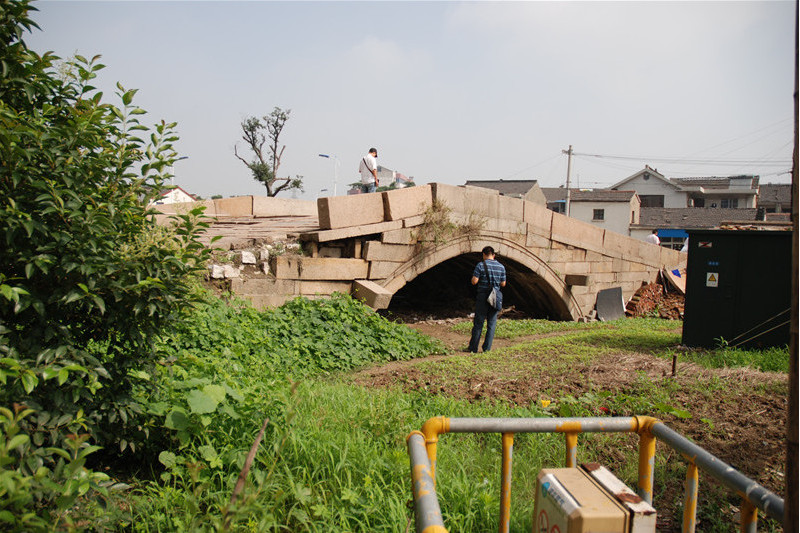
379,242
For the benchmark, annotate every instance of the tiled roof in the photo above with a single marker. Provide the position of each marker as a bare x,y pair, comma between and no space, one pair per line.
506,187
554,194
692,217
712,182
771,194
559,194
600,195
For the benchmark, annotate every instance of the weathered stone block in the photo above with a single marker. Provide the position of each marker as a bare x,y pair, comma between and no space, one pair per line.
326,288
536,241
399,236
251,286
467,200
355,231
504,225
230,271
265,206
216,272
404,203
411,222
372,294
238,206
247,257
576,279
267,301
382,269
331,251
348,211
377,251
576,233
576,267
318,268
539,219
511,208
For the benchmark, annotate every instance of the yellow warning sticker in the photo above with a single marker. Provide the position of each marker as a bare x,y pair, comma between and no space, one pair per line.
712,279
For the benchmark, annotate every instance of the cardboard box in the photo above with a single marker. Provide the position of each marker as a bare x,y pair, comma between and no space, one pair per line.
579,500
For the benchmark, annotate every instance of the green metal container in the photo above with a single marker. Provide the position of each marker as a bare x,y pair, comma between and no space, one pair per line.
738,288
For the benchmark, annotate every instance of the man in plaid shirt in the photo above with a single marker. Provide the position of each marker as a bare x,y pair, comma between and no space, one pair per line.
483,311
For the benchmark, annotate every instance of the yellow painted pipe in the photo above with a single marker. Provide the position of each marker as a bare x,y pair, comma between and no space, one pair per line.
690,499
749,514
432,428
505,482
571,440
647,456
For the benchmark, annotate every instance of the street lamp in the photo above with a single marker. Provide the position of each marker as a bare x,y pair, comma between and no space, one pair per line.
172,169
336,164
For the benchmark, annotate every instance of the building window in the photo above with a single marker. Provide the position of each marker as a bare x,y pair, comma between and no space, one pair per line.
599,214
699,202
675,243
731,203
652,200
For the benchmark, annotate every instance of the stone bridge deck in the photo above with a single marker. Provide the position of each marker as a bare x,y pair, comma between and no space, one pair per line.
375,245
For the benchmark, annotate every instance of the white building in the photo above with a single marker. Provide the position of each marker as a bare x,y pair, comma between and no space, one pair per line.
611,210
174,195
655,190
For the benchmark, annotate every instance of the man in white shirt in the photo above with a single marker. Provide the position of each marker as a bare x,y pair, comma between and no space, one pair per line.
653,238
369,171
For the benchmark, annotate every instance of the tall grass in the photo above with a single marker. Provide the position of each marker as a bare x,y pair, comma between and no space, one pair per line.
334,454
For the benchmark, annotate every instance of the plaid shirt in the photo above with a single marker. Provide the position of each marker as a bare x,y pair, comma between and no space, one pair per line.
497,271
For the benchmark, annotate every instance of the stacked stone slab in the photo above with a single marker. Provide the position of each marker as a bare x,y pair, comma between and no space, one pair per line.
371,245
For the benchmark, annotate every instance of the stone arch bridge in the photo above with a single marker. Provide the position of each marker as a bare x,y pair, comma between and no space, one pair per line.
422,243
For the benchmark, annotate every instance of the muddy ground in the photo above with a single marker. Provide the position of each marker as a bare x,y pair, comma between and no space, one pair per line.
747,429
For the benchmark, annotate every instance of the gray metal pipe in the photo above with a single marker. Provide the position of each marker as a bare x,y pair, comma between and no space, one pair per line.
543,425
756,494
427,513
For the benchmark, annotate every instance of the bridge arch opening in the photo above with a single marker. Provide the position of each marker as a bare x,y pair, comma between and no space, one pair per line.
444,290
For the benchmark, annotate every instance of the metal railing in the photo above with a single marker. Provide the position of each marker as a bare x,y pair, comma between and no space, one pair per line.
422,453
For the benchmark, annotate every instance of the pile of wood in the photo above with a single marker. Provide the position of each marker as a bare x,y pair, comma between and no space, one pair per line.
657,299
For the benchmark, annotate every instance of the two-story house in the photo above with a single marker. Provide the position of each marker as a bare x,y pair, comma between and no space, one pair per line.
655,190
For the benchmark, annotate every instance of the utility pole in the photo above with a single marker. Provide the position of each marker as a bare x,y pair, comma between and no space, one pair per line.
569,168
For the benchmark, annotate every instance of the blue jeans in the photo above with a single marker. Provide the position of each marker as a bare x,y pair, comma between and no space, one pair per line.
368,187
483,313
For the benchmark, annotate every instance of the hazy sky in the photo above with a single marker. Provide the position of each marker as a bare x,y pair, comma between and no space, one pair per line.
451,91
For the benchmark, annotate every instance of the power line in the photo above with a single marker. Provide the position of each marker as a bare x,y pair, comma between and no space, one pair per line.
679,160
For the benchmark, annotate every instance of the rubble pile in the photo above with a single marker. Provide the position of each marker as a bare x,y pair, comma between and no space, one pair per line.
656,300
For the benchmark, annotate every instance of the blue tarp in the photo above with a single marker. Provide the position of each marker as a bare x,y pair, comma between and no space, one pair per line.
672,233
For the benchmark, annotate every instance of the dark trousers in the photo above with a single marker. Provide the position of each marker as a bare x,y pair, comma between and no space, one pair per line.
483,313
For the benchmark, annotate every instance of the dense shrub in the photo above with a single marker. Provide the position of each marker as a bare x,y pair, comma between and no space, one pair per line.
86,282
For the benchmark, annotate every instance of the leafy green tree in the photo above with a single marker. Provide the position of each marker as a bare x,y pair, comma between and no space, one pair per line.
86,280
264,164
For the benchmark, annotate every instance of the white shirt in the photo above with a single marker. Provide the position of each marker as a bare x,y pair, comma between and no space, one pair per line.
368,164
653,239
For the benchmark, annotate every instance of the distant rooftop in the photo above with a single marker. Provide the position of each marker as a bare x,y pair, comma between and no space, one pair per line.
505,187
600,195
692,217
714,182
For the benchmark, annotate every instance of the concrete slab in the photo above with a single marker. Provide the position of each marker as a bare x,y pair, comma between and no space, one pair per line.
610,305
372,294
318,268
347,211
409,202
